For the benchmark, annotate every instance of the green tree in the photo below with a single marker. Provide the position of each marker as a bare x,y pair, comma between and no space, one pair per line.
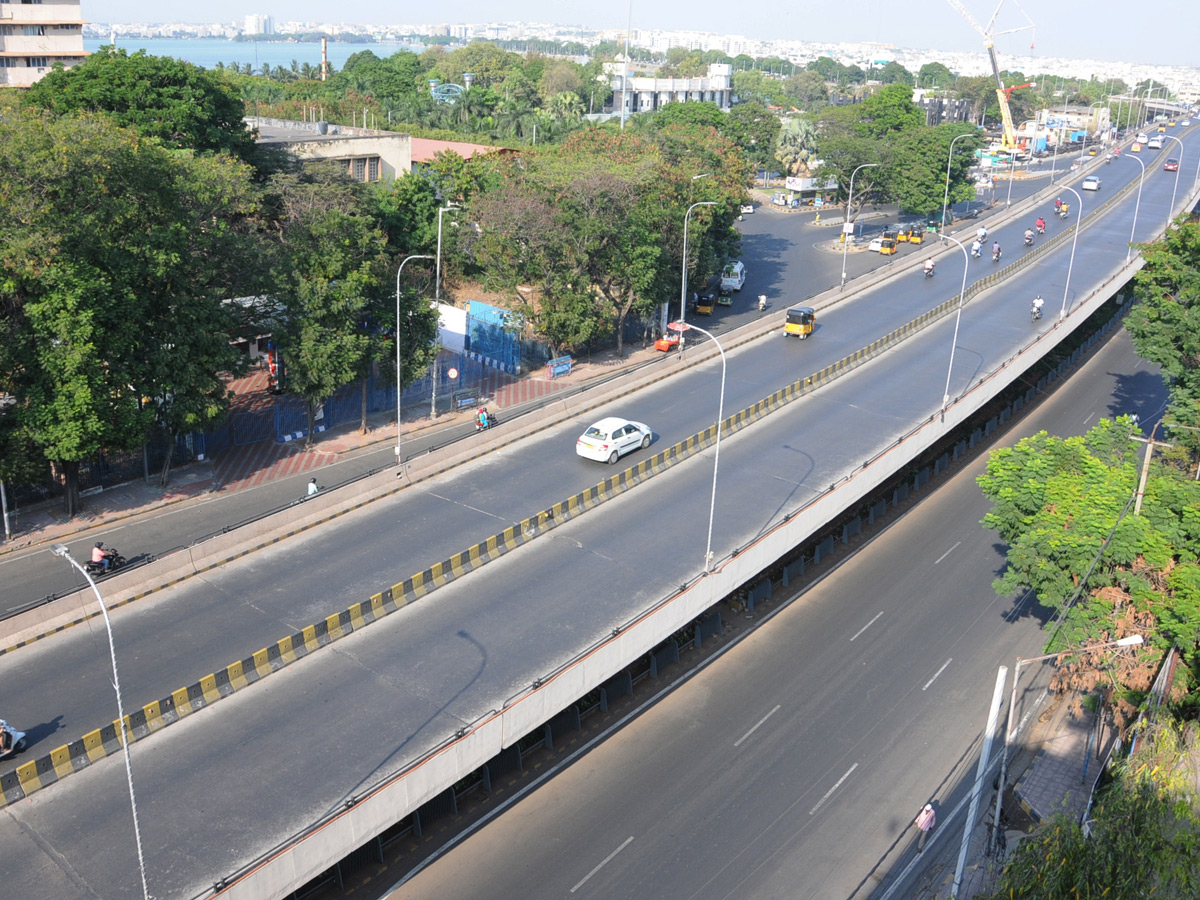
795,148
807,90
935,75
916,175
754,129
894,73
890,111
117,254
176,102
330,280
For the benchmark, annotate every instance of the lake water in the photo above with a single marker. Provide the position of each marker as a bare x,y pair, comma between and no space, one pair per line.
207,53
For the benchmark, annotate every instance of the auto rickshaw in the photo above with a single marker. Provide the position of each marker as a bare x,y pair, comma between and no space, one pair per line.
800,321
902,235
725,297
887,246
889,234
1091,151
916,234
704,306
1162,127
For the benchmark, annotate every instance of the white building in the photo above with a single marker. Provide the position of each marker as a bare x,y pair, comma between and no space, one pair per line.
645,94
259,24
34,36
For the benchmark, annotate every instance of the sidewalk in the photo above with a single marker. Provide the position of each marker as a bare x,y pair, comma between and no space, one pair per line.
252,465
1050,773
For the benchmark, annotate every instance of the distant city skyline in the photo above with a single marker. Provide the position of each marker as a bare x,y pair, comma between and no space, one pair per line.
1112,30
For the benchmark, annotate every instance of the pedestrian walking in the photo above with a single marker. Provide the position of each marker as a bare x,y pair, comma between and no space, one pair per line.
926,819
312,487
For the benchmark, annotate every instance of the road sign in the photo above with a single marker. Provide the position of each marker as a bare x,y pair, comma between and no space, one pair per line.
848,228
452,373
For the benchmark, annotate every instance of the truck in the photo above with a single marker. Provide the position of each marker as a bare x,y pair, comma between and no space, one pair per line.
733,276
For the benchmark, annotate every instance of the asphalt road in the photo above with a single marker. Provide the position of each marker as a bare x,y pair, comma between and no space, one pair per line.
783,260
794,763
380,697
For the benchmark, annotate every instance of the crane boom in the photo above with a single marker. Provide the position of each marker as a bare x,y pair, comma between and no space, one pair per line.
1009,133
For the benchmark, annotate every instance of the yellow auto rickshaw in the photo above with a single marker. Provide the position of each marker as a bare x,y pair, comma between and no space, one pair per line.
887,246
800,321
902,235
889,234
704,306
916,235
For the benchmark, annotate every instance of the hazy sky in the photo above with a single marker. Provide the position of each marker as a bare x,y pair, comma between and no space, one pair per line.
1163,33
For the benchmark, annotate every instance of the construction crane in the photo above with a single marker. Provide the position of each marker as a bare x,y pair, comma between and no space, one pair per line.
1009,140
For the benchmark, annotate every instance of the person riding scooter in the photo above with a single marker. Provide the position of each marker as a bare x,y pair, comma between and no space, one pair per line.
1057,203
1040,225
1028,237
976,248
929,264
481,419
11,740
1035,308
996,252
981,234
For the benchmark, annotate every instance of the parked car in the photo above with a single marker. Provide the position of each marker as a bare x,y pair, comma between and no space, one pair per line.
1091,183
1171,165
611,438
747,209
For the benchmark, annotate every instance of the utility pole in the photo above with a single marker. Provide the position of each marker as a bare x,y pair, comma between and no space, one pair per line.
1150,443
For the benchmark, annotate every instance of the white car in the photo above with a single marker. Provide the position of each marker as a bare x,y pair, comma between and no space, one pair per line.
610,439
1091,183
747,209
1186,122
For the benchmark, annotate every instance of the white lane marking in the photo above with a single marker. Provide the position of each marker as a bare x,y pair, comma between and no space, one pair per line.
947,553
937,673
602,863
738,742
1089,418
868,625
829,792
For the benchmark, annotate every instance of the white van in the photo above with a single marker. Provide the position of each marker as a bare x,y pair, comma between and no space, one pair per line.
733,276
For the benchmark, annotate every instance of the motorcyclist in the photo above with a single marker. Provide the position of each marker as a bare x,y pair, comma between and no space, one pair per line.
1037,305
481,418
1057,203
101,556
976,248
929,264
982,234
1028,235
762,302
1040,225
996,250
6,740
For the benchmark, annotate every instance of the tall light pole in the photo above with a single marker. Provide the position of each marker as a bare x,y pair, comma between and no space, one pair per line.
1012,174
945,193
61,550
1171,209
681,327
1010,730
399,371
962,293
683,279
848,226
1136,206
437,281
1058,136
1074,240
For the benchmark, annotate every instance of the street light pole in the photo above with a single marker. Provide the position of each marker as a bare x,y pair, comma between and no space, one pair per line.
399,371
848,226
962,293
1010,730
1136,206
946,192
681,327
1074,240
61,550
683,279
437,282
1012,173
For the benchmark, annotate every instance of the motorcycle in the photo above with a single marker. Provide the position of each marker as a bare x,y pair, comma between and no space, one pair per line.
929,272
115,561
1035,313
489,421
995,256
762,302
1064,211
1041,229
1029,240
12,741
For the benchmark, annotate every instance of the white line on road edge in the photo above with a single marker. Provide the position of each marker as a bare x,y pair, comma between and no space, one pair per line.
947,553
829,792
937,673
602,863
868,625
738,743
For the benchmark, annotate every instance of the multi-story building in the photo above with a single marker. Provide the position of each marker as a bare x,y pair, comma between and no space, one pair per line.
259,24
34,36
